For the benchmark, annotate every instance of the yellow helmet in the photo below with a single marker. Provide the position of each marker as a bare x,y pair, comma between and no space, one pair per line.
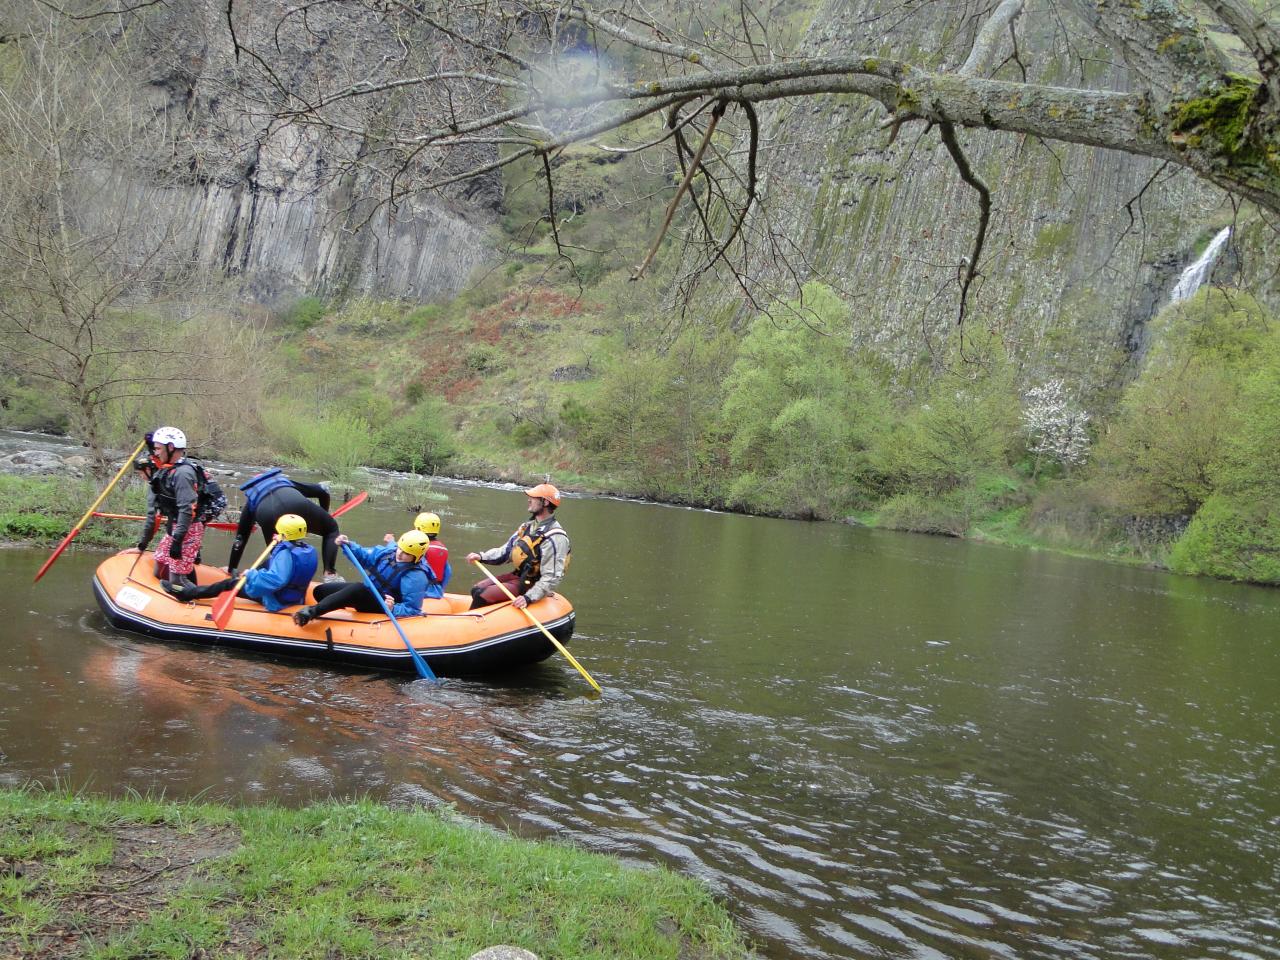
428,523
414,543
291,527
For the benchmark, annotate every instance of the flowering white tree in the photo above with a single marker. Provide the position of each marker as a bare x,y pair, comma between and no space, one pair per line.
1056,426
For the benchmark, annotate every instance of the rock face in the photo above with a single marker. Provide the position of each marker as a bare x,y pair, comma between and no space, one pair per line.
43,462
1078,255
280,208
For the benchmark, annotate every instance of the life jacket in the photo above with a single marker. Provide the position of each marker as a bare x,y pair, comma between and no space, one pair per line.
304,560
210,500
386,573
436,559
255,488
526,554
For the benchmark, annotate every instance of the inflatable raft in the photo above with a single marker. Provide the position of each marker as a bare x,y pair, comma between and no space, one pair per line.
453,640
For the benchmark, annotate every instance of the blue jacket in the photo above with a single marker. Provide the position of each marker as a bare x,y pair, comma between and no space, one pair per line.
406,582
285,578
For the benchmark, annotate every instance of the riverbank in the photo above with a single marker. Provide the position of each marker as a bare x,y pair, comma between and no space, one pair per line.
127,878
41,504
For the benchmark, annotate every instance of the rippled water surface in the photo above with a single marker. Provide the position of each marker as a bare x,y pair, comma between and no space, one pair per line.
868,744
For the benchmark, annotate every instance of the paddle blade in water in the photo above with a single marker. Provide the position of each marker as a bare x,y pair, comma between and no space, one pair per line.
62,546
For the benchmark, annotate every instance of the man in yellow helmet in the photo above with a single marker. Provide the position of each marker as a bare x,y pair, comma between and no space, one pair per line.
435,562
539,550
283,580
395,569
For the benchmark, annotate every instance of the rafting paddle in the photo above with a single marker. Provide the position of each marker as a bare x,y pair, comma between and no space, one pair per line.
225,604
88,513
355,501
534,620
424,671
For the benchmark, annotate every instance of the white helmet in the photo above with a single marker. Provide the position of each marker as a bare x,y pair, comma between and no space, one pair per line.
170,435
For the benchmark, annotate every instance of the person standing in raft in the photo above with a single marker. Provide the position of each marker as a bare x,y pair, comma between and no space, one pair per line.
539,549
283,581
272,494
435,562
395,569
174,494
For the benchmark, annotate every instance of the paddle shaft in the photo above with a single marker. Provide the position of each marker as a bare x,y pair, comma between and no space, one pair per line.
88,513
424,671
534,620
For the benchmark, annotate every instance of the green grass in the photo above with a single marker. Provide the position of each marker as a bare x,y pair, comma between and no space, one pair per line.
43,509
335,879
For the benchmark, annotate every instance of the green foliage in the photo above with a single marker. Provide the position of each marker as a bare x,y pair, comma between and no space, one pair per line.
577,420
417,441
966,427
954,512
426,316
25,407
529,433
654,414
1174,421
32,526
43,508
802,414
484,359
1233,538
334,445
305,313
1236,534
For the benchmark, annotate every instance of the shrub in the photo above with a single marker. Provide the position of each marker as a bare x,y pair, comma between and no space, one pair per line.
528,433
1232,538
483,358
32,526
335,445
920,514
417,441
305,313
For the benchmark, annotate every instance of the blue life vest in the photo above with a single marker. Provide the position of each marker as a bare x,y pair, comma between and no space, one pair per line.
386,574
304,560
255,488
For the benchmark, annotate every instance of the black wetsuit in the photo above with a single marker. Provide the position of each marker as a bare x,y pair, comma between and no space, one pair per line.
292,499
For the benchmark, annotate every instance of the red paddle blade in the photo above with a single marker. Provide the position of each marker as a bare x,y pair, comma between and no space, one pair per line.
355,501
223,607
62,546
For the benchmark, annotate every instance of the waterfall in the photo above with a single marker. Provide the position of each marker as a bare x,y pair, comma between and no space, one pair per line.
1198,272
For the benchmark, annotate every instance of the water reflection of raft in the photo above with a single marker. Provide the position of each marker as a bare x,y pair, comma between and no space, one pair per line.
453,640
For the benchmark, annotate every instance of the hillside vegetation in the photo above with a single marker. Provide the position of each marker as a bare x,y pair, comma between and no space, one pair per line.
1114,436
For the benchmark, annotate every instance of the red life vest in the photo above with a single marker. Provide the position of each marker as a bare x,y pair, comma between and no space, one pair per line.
436,557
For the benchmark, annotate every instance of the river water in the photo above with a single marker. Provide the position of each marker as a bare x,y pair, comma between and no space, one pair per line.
868,744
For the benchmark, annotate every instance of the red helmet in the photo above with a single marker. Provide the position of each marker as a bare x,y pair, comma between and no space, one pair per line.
547,492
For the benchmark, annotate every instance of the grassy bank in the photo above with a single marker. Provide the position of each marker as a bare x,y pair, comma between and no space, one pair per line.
43,510
86,876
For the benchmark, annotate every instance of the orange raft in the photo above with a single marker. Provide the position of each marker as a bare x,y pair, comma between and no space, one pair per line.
454,641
